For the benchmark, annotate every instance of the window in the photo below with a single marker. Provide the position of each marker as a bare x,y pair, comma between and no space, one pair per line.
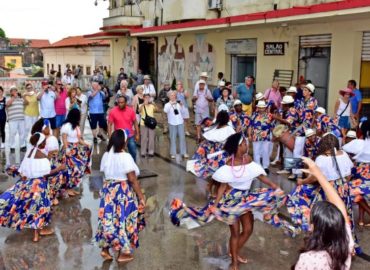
88,70
47,68
52,66
59,68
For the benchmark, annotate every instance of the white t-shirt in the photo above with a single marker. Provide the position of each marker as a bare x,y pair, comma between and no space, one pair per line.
328,168
72,134
34,168
116,166
173,119
242,178
219,134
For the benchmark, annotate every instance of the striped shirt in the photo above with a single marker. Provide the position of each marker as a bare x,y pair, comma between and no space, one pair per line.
16,110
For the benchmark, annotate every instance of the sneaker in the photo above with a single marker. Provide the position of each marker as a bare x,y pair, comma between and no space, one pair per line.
173,157
151,155
12,150
95,140
187,133
267,171
143,156
186,156
2,146
165,131
101,137
292,177
23,149
275,162
283,172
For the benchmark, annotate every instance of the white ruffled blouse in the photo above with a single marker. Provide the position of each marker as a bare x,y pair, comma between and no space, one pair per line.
239,177
116,166
328,167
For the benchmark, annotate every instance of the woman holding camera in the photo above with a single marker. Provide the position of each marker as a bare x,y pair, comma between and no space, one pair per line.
173,110
147,133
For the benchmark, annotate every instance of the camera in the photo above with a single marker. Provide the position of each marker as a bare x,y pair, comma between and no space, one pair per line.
176,111
293,163
179,101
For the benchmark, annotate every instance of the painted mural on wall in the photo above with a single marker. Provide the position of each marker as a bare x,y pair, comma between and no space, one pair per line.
130,58
171,61
200,58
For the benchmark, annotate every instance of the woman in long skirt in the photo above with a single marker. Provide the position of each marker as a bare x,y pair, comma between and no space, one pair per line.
336,166
208,157
122,204
235,202
27,203
76,152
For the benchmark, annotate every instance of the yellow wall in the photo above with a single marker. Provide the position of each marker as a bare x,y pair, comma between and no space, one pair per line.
345,50
13,59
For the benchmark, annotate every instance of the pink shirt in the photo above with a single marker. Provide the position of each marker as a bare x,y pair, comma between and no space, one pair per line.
274,96
60,103
321,260
123,119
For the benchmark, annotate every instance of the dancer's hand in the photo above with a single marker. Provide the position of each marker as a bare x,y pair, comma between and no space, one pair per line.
142,204
278,192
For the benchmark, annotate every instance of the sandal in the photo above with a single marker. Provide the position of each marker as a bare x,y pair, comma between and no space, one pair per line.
125,260
47,232
240,259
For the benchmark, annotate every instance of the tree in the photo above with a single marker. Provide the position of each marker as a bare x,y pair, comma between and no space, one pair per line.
2,33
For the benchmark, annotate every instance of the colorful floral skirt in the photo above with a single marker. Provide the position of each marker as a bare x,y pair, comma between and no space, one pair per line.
202,166
57,181
120,218
26,205
77,162
360,183
233,204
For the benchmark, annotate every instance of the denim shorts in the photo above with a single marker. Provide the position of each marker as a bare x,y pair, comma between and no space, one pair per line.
344,122
59,120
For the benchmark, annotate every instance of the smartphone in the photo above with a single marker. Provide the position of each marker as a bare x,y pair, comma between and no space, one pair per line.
293,163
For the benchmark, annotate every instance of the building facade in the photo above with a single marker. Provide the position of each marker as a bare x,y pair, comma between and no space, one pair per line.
327,42
75,51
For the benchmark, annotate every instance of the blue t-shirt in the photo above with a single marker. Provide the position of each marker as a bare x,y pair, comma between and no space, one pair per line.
96,104
245,95
216,93
355,100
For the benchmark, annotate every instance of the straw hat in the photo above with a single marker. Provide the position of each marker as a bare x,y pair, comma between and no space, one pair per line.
351,134
309,132
204,74
287,100
237,102
259,96
221,84
346,91
202,82
320,110
261,104
292,89
310,87
13,87
146,77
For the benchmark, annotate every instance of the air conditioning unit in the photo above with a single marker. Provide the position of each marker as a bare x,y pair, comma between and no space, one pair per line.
214,4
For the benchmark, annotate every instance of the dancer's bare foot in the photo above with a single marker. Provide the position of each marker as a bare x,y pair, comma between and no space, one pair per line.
71,192
105,254
55,202
234,267
125,258
241,259
36,236
46,231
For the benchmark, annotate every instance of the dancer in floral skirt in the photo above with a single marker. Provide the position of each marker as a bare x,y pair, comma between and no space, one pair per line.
235,201
208,157
122,204
76,152
27,203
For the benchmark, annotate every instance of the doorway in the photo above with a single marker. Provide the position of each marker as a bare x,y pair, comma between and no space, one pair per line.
147,57
242,66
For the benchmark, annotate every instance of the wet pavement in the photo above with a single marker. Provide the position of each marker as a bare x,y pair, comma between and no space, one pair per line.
162,246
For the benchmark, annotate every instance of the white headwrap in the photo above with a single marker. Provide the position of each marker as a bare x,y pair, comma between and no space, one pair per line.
34,148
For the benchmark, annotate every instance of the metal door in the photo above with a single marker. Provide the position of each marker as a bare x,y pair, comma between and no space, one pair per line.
242,66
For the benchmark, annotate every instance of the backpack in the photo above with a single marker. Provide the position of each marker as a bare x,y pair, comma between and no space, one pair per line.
149,122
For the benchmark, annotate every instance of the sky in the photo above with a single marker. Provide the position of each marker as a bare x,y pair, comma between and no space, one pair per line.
51,19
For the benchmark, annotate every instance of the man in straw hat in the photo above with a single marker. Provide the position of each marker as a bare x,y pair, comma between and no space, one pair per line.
311,144
259,134
201,98
149,88
203,76
244,93
238,118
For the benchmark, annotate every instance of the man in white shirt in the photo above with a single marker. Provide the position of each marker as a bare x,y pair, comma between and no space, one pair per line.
68,78
47,104
149,88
